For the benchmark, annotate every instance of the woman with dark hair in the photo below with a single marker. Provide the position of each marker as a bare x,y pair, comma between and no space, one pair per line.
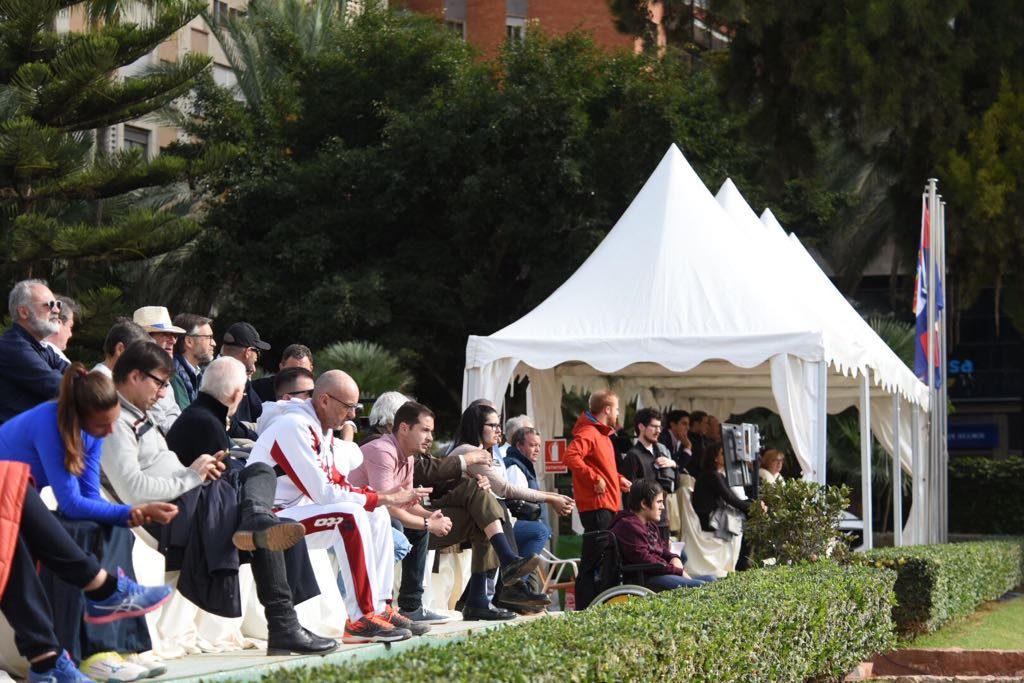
61,442
480,429
711,489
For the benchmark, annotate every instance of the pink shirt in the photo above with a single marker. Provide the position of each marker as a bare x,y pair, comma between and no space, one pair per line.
383,468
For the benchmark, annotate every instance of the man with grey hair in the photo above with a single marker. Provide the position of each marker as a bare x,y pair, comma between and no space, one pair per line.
58,341
29,372
512,425
382,415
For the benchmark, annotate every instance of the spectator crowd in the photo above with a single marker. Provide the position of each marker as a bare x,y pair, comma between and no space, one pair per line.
170,437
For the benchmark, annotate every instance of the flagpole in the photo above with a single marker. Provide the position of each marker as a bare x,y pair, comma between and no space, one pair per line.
933,507
943,373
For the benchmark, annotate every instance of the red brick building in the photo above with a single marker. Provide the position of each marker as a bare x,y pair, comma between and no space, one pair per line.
489,23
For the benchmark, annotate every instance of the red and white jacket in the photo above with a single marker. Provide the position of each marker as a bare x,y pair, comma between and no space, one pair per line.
312,465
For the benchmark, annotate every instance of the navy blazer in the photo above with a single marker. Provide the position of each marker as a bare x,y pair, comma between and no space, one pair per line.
30,373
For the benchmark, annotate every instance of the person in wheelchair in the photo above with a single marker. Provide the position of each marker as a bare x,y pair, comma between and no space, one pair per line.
640,541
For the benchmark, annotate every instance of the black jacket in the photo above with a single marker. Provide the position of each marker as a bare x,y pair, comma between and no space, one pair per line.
640,465
249,410
264,388
200,429
711,488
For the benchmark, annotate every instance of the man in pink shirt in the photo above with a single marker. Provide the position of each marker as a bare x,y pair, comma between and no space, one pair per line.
388,462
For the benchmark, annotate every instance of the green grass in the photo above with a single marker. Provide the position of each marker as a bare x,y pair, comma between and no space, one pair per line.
569,545
995,626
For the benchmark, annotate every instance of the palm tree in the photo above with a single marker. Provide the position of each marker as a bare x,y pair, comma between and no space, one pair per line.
374,368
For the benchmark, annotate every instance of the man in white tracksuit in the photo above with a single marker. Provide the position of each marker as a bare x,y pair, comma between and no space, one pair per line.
296,438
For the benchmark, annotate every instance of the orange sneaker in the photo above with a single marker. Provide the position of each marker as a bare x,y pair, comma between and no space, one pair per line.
373,629
391,615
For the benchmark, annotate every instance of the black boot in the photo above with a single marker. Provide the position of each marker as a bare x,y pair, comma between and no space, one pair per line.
299,641
258,526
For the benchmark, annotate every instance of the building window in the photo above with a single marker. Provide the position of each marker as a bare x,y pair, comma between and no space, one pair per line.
457,27
200,42
137,138
220,11
515,29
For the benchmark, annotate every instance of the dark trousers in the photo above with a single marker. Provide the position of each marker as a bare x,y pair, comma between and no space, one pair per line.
590,555
414,568
24,602
112,548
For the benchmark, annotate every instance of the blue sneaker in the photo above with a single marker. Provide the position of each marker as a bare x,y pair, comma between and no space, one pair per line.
129,600
64,671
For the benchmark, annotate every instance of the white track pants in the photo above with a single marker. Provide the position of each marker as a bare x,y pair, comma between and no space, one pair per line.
364,547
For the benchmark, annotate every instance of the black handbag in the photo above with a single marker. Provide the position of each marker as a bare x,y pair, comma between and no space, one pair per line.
524,510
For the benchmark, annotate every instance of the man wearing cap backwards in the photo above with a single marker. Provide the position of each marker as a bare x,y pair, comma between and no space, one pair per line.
29,372
157,321
242,341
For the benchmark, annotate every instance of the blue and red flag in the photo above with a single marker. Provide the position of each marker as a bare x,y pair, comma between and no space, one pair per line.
926,344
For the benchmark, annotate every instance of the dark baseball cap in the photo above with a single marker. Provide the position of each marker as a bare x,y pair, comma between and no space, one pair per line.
244,334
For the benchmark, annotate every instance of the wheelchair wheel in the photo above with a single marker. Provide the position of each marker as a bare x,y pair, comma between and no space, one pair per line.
619,594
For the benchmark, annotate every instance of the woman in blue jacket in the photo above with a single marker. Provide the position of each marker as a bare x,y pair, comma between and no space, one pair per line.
61,442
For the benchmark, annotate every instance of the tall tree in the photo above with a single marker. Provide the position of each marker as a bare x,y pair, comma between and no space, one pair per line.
413,193
68,208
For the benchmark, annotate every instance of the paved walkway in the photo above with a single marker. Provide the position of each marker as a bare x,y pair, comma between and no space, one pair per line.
250,665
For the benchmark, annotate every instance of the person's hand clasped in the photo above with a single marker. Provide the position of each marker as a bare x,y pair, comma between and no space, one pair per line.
563,505
152,513
483,482
438,524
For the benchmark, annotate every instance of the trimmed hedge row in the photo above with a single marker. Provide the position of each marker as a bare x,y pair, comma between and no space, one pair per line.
978,491
936,583
785,624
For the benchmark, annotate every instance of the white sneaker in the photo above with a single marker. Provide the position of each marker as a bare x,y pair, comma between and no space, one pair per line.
110,666
147,660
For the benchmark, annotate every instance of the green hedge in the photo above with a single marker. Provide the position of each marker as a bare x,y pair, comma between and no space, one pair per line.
979,489
784,624
936,583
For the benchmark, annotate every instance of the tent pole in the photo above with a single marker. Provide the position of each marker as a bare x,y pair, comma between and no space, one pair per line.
865,461
918,468
821,431
897,476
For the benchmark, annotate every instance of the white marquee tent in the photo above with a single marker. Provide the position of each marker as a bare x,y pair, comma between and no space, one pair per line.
682,304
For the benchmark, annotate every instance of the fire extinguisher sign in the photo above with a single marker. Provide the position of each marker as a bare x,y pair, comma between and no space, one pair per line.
554,451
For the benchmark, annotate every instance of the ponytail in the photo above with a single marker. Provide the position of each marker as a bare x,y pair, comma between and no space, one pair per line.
82,394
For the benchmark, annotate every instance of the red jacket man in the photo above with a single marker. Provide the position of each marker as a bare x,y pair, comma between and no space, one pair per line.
596,483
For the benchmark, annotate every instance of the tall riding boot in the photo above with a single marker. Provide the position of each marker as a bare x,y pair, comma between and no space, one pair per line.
258,526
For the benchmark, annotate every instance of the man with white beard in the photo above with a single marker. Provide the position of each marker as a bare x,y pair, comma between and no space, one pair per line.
29,372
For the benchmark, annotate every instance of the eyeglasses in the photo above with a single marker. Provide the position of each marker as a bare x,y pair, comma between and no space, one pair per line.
162,383
53,304
355,407
308,393
496,426
254,350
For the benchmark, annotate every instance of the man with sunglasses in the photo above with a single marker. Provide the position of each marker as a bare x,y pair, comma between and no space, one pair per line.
297,440
29,372
242,342
294,382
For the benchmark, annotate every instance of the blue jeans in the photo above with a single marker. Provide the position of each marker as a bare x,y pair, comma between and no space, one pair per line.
531,536
667,582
